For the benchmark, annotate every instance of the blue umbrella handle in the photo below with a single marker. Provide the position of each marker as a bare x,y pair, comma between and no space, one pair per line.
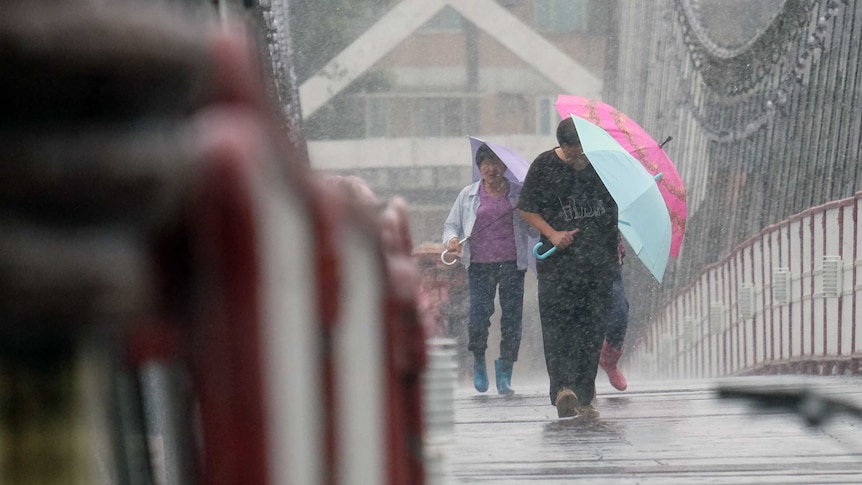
545,254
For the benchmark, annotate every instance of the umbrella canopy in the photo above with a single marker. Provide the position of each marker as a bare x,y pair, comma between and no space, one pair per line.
643,217
643,147
516,165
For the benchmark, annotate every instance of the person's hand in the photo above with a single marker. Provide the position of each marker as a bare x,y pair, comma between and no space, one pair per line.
563,239
454,247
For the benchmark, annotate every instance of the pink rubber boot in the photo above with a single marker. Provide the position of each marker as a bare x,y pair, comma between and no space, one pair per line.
608,362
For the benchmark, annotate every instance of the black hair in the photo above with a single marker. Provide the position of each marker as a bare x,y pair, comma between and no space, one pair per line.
567,134
484,152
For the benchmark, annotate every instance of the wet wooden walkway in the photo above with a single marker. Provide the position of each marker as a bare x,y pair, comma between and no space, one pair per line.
655,433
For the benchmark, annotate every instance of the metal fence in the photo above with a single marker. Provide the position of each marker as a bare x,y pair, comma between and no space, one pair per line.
785,301
761,130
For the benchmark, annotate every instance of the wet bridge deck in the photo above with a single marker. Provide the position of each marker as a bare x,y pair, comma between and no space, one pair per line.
654,433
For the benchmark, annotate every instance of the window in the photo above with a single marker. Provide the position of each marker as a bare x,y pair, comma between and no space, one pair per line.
546,116
396,116
440,117
429,117
561,15
376,117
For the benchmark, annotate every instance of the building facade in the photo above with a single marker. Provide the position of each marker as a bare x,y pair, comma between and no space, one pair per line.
438,71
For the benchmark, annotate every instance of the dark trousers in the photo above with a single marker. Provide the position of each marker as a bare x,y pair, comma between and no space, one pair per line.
618,316
573,309
484,278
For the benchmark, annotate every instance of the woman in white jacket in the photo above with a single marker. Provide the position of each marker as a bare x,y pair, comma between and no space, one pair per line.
495,256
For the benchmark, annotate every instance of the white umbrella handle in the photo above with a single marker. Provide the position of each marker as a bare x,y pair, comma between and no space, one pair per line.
446,251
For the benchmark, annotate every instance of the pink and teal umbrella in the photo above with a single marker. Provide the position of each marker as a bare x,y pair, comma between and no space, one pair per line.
643,217
643,147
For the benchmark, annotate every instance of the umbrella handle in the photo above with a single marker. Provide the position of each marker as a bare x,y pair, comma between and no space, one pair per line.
443,258
545,254
446,251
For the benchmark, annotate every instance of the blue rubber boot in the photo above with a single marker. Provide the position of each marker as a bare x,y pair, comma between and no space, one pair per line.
503,369
480,373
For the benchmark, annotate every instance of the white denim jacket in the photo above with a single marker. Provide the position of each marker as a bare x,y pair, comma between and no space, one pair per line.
463,215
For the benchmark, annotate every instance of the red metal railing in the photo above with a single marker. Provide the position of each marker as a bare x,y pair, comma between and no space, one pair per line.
785,301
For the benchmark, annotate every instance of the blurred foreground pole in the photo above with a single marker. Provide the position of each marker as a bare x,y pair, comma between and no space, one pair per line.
94,163
175,286
101,147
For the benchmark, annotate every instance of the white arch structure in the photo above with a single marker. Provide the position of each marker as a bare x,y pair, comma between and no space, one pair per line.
409,15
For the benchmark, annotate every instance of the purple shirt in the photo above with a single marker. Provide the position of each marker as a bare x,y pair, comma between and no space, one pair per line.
494,243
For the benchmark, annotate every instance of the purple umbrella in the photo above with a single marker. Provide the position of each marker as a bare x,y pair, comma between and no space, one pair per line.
516,164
